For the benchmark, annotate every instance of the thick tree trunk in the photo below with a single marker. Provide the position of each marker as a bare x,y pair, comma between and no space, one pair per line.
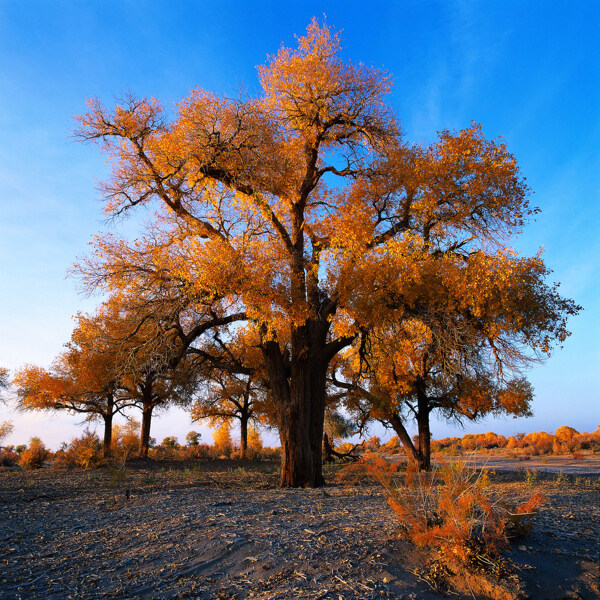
107,440
299,390
243,436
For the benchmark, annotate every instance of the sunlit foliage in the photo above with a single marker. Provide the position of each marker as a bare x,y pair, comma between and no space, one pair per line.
304,213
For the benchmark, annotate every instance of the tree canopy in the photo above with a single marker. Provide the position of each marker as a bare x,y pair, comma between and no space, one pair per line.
305,214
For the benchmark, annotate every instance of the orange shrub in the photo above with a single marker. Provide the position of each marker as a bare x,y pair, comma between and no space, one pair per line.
450,510
565,440
35,455
125,439
83,452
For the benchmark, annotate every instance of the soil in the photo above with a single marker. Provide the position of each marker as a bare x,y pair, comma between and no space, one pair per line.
222,530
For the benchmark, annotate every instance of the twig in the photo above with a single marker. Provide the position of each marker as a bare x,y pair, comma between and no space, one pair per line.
14,587
345,583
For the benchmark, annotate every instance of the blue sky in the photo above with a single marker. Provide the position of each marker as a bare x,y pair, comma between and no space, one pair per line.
528,71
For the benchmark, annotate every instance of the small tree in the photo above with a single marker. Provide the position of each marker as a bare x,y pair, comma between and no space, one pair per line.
255,443
6,428
85,378
192,439
4,382
125,442
222,439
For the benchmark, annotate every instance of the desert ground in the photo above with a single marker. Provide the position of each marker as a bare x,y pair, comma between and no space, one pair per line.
222,530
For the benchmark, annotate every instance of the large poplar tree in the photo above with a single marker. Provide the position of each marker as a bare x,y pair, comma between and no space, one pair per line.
303,213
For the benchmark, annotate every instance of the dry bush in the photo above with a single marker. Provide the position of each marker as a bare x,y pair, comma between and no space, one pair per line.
451,511
125,440
392,446
35,455
83,452
8,457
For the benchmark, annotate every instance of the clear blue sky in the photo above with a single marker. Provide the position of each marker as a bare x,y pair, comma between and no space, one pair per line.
528,71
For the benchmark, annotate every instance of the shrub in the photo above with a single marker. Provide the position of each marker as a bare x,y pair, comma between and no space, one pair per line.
392,446
451,511
83,452
8,457
35,455
222,440
125,439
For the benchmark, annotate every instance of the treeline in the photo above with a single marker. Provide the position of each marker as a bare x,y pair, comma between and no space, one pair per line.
565,440
86,451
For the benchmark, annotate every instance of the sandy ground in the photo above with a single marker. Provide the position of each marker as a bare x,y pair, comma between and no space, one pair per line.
586,465
222,531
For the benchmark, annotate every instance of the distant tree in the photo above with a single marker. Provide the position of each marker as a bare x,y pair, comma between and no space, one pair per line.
255,442
228,397
118,357
222,438
4,382
84,379
234,384
6,428
170,442
125,440
410,370
192,438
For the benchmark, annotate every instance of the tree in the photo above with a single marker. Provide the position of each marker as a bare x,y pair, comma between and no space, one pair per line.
228,397
235,385
222,438
192,438
82,379
460,349
301,212
117,358
4,381
6,428
255,443
402,377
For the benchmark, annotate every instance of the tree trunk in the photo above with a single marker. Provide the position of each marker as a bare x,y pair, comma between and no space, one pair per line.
145,432
424,442
300,391
327,449
423,426
412,453
243,436
107,441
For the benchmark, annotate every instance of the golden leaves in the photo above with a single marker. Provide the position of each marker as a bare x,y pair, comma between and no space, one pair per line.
307,197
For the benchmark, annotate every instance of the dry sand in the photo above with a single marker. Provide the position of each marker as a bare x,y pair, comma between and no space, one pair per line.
223,531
